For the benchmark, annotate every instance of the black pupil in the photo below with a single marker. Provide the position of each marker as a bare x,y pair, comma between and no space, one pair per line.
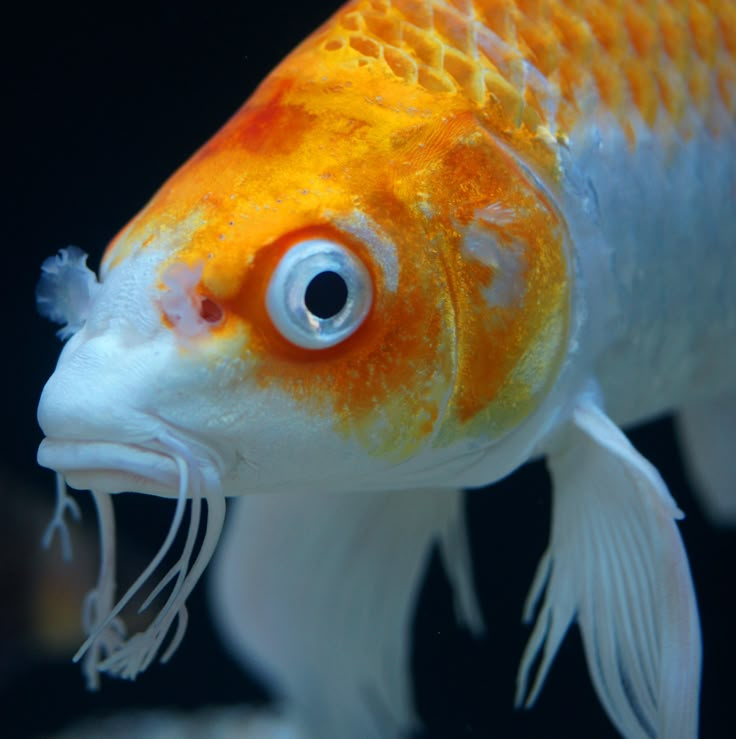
326,295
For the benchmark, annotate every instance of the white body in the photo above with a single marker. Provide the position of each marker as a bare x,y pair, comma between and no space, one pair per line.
656,244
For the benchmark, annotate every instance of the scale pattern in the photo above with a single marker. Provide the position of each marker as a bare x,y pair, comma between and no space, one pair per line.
546,63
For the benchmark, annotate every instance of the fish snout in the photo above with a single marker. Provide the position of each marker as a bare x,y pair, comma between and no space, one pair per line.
96,393
93,412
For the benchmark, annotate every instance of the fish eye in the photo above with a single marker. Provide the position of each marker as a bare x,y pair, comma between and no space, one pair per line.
319,294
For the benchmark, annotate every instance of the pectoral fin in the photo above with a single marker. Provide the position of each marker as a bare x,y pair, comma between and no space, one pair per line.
616,563
318,592
708,433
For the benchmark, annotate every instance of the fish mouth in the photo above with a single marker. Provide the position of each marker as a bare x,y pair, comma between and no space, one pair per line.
109,467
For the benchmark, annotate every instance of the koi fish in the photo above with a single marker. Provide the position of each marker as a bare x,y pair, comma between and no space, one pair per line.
441,238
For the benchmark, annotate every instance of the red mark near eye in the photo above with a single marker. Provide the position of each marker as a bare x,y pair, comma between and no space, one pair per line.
210,311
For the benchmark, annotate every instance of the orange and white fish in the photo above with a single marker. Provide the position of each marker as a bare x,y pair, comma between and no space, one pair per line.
440,239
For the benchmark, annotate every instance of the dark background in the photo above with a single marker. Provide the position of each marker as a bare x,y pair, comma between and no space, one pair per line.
101,102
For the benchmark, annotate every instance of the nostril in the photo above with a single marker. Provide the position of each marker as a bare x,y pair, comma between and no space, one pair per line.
185,307
210,311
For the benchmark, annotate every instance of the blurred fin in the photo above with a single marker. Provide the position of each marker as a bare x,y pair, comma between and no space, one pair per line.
318,593
708,434
616,563
221,722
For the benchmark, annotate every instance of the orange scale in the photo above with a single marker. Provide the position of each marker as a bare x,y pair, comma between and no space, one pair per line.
609,83
704,32
727,25
642,30
544,44
643,89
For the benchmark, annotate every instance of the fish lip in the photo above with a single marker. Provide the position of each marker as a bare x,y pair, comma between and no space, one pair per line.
111,467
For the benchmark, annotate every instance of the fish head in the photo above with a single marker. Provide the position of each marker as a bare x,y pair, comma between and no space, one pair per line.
355,284
352,283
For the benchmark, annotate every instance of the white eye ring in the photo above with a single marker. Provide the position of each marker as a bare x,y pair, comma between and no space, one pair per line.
300,313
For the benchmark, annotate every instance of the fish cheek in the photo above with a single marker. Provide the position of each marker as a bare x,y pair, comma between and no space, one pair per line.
395,410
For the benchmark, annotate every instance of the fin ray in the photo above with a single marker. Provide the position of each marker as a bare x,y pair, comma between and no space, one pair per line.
619,567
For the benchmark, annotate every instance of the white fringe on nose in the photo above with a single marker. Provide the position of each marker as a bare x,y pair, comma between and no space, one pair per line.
107,649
